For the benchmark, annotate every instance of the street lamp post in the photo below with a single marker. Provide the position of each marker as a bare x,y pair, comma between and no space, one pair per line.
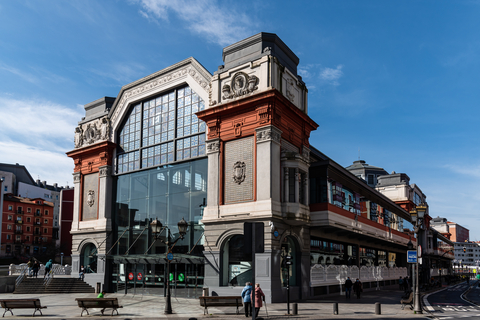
156,230
418,215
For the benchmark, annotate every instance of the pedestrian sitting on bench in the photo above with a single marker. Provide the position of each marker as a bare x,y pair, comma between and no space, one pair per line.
101,295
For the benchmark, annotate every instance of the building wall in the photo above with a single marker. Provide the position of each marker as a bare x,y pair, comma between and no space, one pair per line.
459,233
9,182
66,217
26,226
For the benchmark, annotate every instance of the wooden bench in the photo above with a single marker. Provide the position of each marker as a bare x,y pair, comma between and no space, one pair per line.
408,301
217,301
9,304
103,303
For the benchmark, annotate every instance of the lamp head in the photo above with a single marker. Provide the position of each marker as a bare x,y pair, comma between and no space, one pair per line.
156,227
182,227
421,209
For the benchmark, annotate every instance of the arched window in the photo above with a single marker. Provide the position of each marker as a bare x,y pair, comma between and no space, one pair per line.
88,258
237,265
162,130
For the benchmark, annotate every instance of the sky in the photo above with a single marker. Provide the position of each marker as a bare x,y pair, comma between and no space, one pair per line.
394,83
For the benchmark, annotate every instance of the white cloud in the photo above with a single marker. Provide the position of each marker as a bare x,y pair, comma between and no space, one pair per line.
24,75
121,73
465,169
219,24
331,76
37,134
51,166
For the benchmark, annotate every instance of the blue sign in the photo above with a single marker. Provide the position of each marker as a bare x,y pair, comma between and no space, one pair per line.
170,256
412,256
275,233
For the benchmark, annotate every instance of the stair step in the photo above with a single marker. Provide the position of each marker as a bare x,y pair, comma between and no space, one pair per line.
57,285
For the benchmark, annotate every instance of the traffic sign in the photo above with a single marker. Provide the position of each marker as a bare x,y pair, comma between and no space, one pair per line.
130,276
170,256
412,256
139,276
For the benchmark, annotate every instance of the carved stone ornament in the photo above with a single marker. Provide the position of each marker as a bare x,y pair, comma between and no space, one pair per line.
241,84
104,171
91,197
239,169
210,92
213,146
269,134
290,86
76,178
92,132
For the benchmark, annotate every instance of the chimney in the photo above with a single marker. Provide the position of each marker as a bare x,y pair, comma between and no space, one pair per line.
44,184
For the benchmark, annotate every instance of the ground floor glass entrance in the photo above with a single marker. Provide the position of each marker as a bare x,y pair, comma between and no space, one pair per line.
141,277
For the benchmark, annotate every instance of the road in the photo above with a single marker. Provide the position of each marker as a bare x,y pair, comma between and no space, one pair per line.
450,303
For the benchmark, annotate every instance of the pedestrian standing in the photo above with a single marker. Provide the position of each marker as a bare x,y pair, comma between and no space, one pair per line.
81,274
247,299
36,266
48,267
348,288
400,283
357,288
30,267
257,304
406,284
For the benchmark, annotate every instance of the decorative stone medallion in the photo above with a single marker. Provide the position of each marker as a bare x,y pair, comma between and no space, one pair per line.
240,85
91,198
239,169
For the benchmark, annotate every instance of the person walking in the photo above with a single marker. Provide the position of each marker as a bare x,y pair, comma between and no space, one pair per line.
36,266
48,267
257,304
348,288
400,283
247,299
406,284
357,288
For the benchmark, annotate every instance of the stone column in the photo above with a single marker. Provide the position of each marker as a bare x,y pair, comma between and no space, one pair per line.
297,185
213,189
268,163
286,185
76,200
105,198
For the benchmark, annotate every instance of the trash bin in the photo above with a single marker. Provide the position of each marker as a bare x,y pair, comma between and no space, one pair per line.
205,292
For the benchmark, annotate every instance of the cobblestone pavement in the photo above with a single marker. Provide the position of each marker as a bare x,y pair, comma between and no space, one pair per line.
64,306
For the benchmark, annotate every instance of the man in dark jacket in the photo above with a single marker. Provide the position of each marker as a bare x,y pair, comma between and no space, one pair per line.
348,288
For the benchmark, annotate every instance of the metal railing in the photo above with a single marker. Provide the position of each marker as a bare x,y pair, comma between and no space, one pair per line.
21,276
48,278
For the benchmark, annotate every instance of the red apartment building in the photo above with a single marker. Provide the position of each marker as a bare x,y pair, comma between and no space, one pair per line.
27,226
459,233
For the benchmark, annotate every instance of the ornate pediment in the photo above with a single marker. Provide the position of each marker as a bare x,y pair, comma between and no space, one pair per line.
188,71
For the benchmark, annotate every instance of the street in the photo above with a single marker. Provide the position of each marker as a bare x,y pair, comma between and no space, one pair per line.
450,303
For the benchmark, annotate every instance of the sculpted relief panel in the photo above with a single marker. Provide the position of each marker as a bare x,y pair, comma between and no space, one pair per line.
92,132
241,84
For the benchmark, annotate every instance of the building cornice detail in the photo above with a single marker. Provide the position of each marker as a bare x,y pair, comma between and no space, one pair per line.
213,146
269,133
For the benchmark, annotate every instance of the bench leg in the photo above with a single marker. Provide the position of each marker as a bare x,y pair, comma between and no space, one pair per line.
7,309
37,309
114,309
84,309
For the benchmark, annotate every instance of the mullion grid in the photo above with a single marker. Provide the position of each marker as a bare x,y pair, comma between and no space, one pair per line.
155,123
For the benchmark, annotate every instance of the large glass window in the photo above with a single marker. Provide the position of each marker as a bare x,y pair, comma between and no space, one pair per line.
162,130
167,193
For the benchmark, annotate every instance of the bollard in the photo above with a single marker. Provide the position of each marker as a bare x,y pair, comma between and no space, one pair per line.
98,289
378,308
294,308
335,308
205,292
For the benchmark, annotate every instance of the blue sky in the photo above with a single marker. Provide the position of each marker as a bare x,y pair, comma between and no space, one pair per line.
394,82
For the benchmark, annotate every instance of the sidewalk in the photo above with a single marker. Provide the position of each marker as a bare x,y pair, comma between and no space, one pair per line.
64,306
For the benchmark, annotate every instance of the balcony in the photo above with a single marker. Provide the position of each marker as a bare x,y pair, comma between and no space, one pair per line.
19,231
37,241
20,212
38,214
19,221
18,241
37,223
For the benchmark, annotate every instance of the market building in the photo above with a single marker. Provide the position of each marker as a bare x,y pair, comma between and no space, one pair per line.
217,151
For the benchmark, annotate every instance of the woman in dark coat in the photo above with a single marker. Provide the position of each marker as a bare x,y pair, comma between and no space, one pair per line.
357,288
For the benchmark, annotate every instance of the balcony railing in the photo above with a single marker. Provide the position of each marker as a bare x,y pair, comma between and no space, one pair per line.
38,223
19,221
20,212
19,231
38,214
18,241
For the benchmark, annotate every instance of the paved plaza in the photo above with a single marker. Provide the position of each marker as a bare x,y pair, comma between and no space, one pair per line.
64,306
